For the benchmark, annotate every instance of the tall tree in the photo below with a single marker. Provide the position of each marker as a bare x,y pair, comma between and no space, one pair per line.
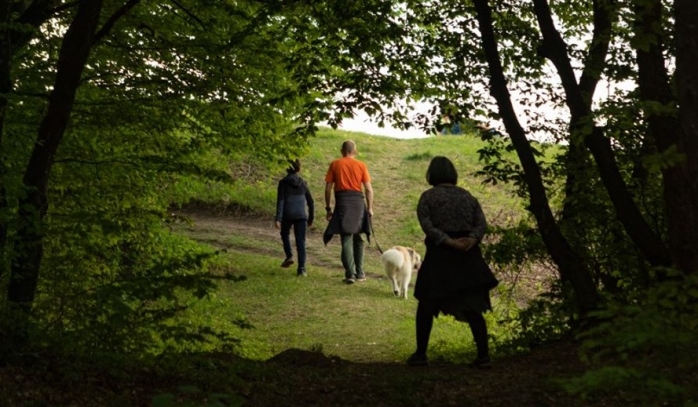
75,50
571,266
132,88
681,193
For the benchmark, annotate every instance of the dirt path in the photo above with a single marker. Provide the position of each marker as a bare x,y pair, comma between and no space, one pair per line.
260,229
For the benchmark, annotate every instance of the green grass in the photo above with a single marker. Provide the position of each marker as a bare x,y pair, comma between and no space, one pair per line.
363,322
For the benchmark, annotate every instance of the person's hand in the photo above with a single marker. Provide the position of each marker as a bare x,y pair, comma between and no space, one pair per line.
370,212
277,224
464,243
310,224
470,242
328,216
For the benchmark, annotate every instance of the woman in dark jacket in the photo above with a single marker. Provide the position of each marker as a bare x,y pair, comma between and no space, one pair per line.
292,198
453,278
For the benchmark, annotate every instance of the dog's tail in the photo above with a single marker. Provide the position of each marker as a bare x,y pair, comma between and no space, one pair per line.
392,256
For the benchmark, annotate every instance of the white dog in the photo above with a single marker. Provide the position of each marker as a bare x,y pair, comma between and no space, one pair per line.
398,262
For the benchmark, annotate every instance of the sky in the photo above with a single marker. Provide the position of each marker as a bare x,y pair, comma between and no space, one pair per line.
362,123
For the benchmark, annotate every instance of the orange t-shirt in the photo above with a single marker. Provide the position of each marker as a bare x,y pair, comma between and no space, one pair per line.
347,173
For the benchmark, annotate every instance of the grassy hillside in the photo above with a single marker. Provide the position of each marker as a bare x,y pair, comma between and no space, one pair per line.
297,325
398,168
364,322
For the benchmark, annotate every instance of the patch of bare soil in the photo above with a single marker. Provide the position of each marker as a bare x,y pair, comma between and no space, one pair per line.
262,229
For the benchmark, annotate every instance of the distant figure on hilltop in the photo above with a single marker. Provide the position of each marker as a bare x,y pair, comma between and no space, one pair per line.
487,132
351,215
450,128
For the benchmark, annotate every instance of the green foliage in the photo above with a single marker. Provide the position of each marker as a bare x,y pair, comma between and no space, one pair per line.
537,314
645,348
174,102
515,244
547,318
140,282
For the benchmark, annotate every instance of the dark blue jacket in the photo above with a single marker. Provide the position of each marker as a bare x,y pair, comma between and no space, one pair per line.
292,197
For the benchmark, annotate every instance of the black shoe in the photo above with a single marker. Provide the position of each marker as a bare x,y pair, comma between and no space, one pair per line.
348,281
417,360
360,279
481,363
301,273
287,263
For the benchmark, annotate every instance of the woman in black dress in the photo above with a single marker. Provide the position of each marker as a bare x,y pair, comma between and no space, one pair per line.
453,278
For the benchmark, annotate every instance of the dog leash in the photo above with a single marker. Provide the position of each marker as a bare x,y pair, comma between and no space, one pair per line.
370,225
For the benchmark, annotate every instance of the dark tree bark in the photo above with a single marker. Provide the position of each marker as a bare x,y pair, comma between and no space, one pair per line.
682,198
5,88
16,18
73,55
578,159
655,90
571,266
582,129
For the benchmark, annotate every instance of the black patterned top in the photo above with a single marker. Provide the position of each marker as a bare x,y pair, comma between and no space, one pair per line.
448,208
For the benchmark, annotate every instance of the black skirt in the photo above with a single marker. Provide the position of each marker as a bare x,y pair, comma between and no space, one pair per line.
455,281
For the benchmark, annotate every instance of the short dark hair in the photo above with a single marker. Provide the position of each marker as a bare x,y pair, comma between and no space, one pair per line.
441,171
294,167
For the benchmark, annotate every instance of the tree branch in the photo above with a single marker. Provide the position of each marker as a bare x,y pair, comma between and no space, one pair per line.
554,48
605,14
111,21
189,13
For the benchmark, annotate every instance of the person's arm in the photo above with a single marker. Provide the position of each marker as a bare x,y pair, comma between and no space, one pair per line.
328,200
477,232
279,205
423,215
369,197
368,188
479,222
311,205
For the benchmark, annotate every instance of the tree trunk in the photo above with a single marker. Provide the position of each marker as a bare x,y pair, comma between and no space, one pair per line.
5,88
571,266
579,99
15,18
73,55
682,194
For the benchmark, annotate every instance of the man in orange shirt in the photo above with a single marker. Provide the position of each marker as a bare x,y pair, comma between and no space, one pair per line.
351,216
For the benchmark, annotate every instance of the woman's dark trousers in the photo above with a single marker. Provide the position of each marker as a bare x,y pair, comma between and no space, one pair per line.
299,229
